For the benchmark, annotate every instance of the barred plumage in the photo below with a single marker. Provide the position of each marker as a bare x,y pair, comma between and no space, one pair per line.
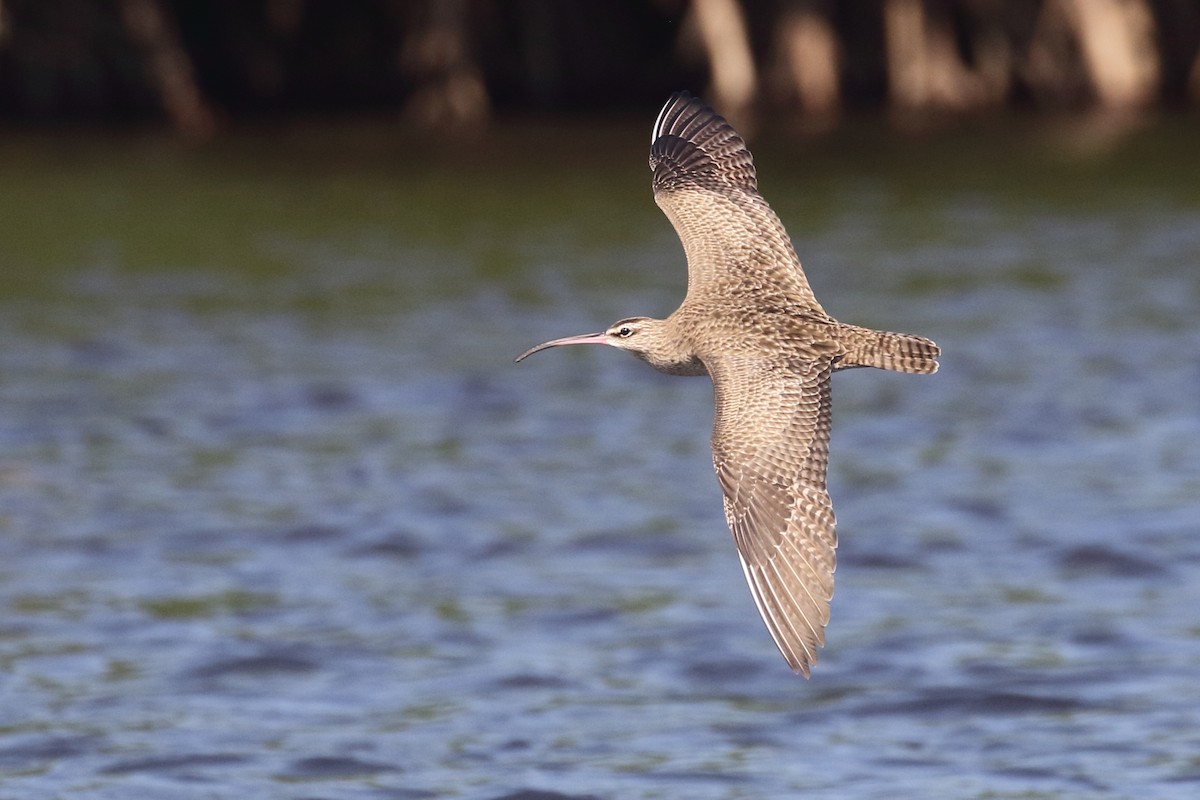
752,323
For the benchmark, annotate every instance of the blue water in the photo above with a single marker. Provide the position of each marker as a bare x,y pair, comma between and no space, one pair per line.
307,531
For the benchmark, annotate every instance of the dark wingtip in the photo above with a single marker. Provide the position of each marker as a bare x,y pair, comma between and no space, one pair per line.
691,143
676,102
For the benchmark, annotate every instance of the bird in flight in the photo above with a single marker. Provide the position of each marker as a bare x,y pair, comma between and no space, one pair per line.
751,323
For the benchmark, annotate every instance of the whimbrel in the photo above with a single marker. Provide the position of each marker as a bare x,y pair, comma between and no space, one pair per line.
751,322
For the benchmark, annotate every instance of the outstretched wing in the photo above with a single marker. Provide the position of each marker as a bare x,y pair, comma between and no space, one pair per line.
704,181
770,449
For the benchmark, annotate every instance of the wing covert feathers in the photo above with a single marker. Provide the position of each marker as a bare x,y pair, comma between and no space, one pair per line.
752,319
705,182
770,450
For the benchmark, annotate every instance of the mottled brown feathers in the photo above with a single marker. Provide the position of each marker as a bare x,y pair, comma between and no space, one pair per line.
705,182
901,352
751,321
770,449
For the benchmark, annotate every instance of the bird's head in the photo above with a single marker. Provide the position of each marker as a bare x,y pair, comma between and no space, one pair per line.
635,334
654,341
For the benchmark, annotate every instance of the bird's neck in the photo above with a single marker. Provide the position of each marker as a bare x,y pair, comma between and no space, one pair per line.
672,352
689,365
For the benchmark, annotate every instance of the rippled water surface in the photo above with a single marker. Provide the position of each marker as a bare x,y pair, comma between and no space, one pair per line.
279,517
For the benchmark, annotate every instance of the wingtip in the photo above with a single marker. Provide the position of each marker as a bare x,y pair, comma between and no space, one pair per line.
690,139
802,662
671,110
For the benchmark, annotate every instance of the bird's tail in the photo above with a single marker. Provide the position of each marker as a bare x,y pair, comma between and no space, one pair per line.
902,352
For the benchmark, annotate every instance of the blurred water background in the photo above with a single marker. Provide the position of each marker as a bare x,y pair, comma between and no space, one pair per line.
279,517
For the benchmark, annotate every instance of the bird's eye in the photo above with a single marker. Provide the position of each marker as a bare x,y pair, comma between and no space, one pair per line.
625,331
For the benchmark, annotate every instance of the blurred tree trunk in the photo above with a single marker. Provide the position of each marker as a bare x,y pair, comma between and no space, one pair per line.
170,67
925,69
726,42
1117,41
1110,43
1194,80
449,91
449,60
810,59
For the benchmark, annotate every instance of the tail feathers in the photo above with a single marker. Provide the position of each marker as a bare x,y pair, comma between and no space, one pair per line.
902,352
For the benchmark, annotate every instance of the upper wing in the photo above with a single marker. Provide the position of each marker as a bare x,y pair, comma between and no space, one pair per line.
770,450
704,181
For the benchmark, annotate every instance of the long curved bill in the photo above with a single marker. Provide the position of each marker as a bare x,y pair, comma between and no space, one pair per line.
586,338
